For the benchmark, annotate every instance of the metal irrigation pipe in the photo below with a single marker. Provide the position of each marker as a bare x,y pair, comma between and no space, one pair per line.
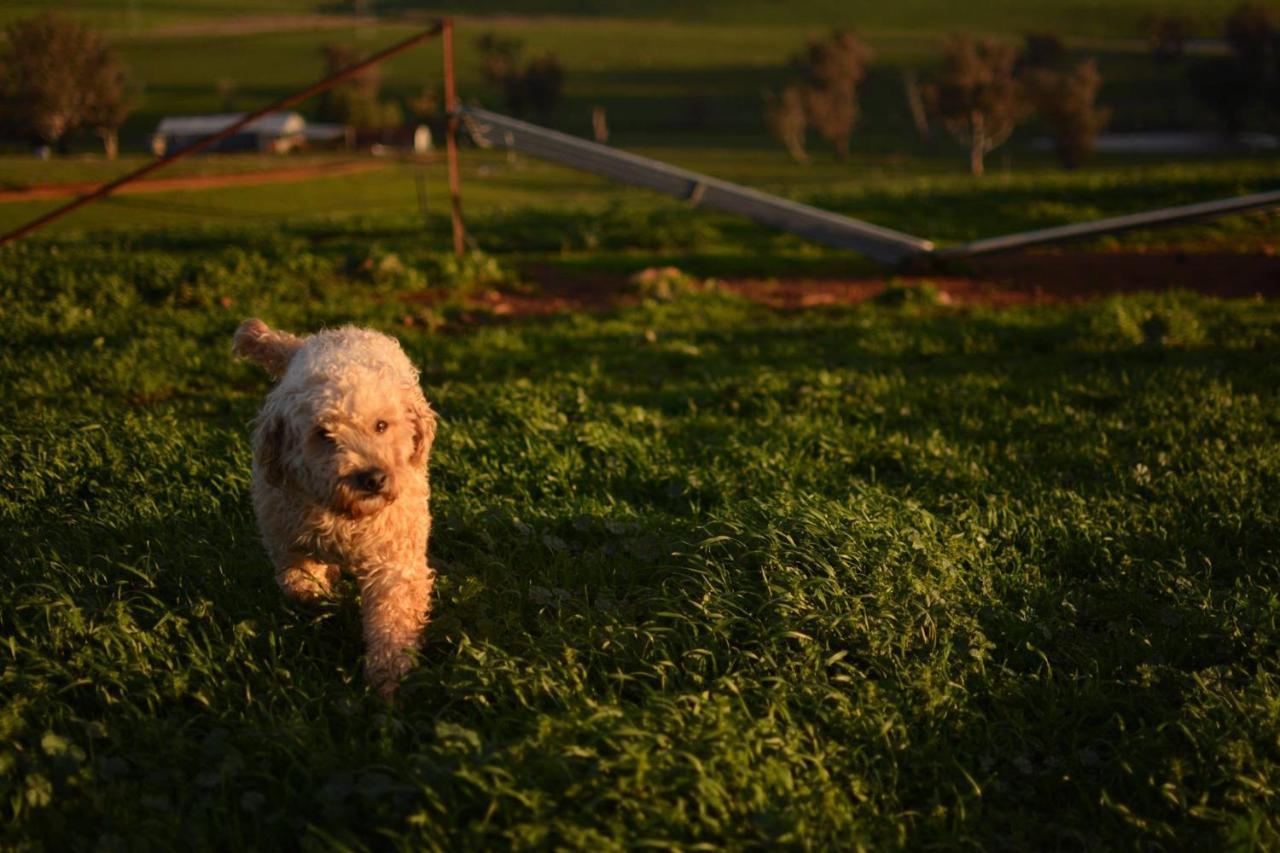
1113,225
228,131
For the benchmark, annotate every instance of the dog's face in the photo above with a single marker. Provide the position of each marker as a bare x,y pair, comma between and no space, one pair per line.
350,449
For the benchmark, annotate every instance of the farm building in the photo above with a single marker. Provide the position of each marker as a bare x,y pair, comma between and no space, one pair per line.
274,133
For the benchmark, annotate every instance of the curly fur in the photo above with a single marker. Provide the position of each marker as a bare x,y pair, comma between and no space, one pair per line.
340,456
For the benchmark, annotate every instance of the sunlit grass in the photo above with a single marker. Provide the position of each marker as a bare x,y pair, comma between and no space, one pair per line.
525,206
885,576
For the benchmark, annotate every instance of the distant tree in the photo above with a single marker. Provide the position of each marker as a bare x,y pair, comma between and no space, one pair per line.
109,104
532,88
977,97
599,124
784,115
425,106
831,70
1067,101
356,102
1229,85
1040,51
56,77
537,89
500,57
226,88
1167,35
915,103
1224,86
1253,32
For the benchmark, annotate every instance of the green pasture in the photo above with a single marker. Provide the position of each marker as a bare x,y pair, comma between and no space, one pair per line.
696,80
20,172
1077,17
525,208
893,576
687,80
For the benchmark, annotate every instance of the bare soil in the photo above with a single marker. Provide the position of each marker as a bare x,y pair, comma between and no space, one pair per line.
241,25
1032,278
198,182
1047,277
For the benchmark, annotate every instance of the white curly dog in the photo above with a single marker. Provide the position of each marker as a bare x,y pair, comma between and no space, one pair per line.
340,452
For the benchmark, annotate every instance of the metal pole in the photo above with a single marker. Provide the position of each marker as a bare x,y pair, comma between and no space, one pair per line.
821,226
451,138
1113,225
228,131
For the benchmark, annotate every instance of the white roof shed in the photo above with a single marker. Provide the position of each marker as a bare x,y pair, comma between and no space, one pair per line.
271,124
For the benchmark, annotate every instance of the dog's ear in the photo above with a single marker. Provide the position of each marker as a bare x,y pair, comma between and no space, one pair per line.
424,429
264,346
270,446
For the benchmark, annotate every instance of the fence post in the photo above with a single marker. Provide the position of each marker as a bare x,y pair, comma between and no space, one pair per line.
451,138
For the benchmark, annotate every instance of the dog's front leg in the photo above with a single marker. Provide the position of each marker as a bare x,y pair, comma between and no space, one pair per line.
394,604
305,580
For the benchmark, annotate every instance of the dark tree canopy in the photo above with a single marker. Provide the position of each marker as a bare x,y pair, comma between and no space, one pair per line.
1230,85
1067,101
500,57
356,102
978,96
1167,35
1226,89
831,69
1253,32
537,89
1042,50
57,77
784,115
532,89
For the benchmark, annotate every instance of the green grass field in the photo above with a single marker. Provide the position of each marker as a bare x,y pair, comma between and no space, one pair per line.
690,80
1085,17
528,208
686,80
899,575
903,575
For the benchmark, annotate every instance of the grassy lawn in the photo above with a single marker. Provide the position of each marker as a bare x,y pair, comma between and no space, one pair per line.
528,207
693,78
890,576
686,82
894,575
1084,17
20,172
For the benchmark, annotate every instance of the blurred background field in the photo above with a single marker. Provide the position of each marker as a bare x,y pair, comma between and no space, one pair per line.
680,84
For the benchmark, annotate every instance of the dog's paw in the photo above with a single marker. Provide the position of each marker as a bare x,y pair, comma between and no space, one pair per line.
307,581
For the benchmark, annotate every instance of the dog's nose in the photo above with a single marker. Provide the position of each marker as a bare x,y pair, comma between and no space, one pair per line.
371,480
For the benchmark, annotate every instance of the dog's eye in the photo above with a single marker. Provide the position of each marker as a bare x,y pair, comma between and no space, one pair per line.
380,426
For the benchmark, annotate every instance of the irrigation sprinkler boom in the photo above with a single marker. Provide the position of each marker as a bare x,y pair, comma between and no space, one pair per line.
488,129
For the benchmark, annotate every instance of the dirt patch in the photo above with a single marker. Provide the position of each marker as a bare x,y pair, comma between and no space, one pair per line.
1001,281
1074,276
199,182
1046,277
791,294
243,25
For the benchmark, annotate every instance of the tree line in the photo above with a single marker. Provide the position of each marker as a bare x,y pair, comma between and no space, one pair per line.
985,87
58,77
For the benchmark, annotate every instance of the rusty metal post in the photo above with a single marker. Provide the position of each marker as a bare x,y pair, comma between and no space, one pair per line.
214,138
451,137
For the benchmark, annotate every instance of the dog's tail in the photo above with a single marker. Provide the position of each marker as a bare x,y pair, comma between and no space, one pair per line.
263,345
